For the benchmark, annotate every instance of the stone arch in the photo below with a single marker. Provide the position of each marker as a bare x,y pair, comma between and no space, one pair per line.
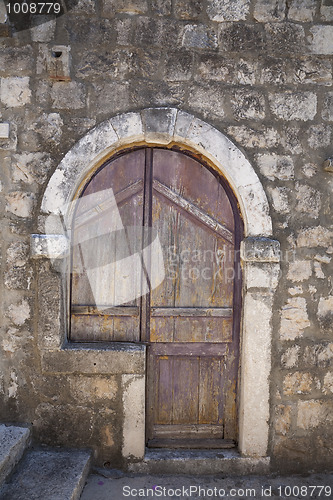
161,126
259,253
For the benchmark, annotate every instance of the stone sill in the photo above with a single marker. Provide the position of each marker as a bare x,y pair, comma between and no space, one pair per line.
104,346
95,358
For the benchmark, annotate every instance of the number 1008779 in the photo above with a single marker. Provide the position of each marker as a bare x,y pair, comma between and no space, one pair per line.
33,8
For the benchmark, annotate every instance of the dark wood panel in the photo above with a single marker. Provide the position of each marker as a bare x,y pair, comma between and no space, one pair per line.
189,349
101,310
216,312
186,443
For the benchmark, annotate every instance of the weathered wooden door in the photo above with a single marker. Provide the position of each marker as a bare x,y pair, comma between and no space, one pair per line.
193,343
190,321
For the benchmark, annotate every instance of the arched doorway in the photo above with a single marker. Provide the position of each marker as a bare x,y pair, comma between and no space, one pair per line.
181,298
260,257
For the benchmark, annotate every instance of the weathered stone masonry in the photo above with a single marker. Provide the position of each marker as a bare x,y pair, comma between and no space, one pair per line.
260,72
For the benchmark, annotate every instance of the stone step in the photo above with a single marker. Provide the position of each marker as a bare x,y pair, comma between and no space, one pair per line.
199,462
48,475
13,442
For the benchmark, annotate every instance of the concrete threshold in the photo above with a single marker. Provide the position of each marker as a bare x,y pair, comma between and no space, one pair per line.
199,462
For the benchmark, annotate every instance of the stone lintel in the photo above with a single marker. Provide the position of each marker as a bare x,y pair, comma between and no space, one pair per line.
51,246
260,249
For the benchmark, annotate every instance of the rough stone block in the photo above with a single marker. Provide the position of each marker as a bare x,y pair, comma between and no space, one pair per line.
294,319
260,250
15,91
239,37
313,413
108,98
293,105
327,112
158,32
327,386
248,104
321,39
208,100
299,270
216,68
290,357
16,61
315,237
31,168
187,9
325,312
19,313
19,278
68,95
224,10
302,10
310,70
162,7
178,66
51,246
319,136
199,36
111,7
285,38
275,166
282,419
43,31
20,204
326,11
319,355
297,383
273,70
280,201
269,10
49,126
262,137
308,200
17,254
292,139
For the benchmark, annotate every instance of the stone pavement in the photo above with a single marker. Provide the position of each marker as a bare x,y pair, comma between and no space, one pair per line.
114,485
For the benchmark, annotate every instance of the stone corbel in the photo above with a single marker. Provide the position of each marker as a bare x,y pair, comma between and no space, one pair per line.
50,246
261,262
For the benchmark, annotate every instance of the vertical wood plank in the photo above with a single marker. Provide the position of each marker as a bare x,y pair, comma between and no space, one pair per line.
185,390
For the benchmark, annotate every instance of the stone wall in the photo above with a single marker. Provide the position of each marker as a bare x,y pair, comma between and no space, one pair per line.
260,71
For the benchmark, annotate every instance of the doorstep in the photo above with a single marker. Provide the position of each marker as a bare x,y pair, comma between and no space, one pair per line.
196,462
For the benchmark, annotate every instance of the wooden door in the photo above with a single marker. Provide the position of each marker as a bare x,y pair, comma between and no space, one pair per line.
193,349
190,321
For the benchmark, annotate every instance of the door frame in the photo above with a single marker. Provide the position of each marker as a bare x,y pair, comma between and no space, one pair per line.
260,255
